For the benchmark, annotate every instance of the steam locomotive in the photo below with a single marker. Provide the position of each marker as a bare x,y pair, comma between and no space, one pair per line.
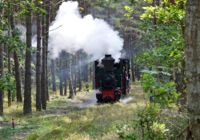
111,79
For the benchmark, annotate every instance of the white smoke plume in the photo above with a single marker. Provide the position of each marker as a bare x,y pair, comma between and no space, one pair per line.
72,32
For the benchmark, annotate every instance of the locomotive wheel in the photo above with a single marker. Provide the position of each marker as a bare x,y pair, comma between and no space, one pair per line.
117,96
99,98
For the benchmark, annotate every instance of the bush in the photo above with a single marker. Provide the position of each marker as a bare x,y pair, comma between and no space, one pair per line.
148,123
126,132
148,126
163,93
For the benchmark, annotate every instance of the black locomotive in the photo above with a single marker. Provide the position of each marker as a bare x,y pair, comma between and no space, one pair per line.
111,79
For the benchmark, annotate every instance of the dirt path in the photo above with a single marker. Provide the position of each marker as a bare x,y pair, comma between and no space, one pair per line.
84,100
90,99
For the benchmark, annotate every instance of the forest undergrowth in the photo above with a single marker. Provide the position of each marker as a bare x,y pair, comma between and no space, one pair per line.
62,120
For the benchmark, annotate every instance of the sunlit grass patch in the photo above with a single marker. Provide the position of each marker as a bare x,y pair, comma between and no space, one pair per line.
54,134
63,120
89,123
56,101
8,131
75,136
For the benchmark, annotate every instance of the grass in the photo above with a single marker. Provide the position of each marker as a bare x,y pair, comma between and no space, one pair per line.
63,121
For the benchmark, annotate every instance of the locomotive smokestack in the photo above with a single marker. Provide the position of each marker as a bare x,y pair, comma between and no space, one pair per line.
108,55
108,62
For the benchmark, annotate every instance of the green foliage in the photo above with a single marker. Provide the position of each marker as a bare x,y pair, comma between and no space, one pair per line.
147,126
149,11
129,11
165,39
165,43
8,130
105,2
28,5
166,13
7,82
32,137
164,52
149,123
133,1
14,43
148,81
125,132
163,93
160,129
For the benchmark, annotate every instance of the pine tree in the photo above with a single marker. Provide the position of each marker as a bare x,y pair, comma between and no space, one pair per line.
192,39
38,63
16,64
1,76
27,86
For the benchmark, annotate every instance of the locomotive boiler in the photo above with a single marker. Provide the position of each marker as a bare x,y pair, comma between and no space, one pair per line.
111,79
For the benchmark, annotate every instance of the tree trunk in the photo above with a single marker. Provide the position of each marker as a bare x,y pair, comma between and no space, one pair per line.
38,62
17,78
47,38
133,71
65,83
137,72
27,85
43,78
85,73
16,64
65,72
1,75
61,82
154,14
9,71
173,2
79,80
74,80
93,74
71,88
61,73
74,72
192,39
79,72
53,76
